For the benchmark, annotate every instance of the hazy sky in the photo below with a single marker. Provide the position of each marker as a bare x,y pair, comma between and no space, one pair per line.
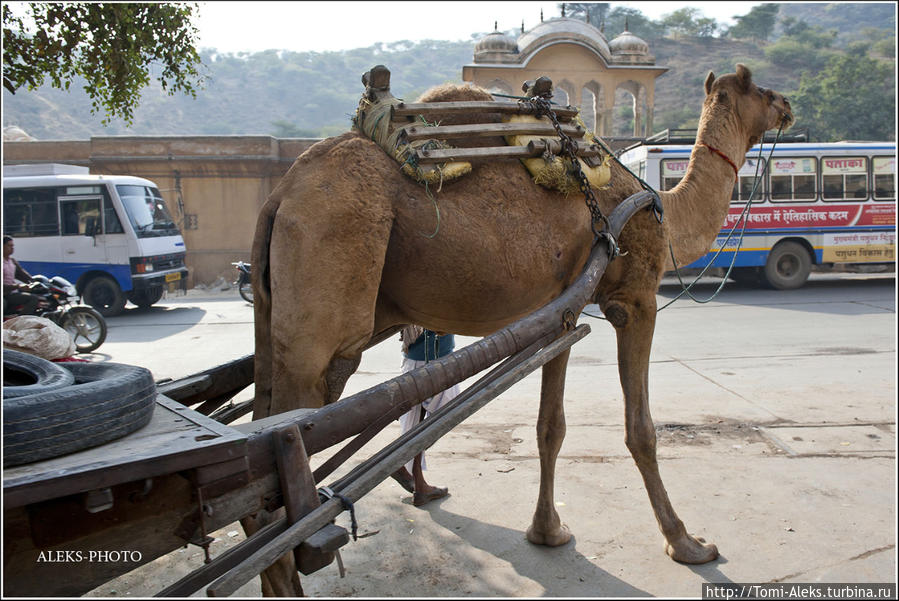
323,26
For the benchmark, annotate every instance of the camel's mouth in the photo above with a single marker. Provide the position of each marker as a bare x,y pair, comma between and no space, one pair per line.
786,117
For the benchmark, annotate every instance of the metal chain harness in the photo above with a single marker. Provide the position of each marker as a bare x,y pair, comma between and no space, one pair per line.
569,149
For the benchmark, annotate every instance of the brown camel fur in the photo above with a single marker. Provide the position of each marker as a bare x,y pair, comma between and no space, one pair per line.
346,248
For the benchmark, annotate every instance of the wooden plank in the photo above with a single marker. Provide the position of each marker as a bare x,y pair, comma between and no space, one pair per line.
224,381
533,149
175,439
298,491
185,387
430,110
484,130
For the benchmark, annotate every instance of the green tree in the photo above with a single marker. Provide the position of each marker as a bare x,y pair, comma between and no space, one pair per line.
802,47
757,24
594,12
687,22
631,19
111,47
853,98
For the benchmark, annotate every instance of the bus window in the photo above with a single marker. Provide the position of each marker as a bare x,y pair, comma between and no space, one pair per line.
80,217
844,178
147,211
746,182
673,170
884,178
793,179
30,212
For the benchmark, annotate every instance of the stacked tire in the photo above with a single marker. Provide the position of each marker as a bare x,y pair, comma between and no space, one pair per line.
53,409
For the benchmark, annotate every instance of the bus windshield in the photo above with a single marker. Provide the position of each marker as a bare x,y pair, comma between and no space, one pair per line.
147,211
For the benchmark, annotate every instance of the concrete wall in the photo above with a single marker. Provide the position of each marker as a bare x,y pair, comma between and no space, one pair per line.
214,185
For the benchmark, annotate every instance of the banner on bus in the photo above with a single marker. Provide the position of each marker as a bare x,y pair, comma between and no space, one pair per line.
859,247
813,217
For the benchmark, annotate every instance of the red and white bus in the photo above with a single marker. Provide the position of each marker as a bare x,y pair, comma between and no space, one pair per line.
818,204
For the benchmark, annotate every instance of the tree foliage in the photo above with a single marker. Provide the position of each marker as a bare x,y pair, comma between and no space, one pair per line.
594,12
688,21
852,98
802,46
112,47
757,24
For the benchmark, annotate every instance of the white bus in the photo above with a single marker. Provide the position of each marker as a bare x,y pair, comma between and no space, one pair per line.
818,204
111,235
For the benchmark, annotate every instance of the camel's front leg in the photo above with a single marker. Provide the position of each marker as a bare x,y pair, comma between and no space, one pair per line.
546,527
634,325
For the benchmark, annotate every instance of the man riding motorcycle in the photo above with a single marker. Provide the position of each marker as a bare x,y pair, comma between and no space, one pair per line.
15,279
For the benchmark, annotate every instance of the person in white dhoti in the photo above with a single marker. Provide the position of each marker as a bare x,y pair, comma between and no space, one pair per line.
419,347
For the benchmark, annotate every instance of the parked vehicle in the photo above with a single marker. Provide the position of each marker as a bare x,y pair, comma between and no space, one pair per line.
57,303
111,235
244,283
823,204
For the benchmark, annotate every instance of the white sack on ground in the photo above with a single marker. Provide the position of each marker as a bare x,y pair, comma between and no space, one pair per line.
38,336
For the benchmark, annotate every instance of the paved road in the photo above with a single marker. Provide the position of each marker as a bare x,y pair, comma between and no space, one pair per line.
776,416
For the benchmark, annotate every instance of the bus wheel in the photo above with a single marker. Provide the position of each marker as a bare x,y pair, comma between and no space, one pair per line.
103,294
146,298
788,266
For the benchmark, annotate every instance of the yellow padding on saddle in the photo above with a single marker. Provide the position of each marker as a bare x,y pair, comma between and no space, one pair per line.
430,174
555,174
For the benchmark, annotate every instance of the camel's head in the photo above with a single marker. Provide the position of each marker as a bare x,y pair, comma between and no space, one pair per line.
759,109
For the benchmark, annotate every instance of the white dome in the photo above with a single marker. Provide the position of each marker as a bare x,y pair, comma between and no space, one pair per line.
628,43
495,47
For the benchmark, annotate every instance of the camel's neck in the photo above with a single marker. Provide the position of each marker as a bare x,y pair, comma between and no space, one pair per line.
695,209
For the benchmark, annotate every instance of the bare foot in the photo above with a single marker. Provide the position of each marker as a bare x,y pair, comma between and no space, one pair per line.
551,539
691,550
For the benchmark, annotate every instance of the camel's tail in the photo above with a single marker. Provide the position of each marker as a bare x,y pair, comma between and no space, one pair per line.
262,308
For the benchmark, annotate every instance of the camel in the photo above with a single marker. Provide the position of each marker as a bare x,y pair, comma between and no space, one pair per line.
347,247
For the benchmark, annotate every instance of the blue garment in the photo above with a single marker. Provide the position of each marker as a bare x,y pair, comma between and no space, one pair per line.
430,346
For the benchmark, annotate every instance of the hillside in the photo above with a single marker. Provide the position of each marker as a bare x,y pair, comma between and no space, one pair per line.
312,94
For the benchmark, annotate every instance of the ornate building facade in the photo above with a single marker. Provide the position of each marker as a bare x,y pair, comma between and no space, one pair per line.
586,69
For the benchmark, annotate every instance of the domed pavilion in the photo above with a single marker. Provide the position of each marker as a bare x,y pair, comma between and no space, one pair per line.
586,69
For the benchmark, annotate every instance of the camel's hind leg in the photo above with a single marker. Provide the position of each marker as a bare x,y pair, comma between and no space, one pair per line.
634,325
546,527
325,274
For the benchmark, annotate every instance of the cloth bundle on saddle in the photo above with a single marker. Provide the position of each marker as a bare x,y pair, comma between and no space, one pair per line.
412,134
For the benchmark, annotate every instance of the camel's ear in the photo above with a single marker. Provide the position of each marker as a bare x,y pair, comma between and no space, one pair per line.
709,79
744,76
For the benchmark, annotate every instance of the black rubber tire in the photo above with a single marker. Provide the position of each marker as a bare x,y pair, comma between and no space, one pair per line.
788,266
103,294
44,375
246,291
107,401
145,299
90,339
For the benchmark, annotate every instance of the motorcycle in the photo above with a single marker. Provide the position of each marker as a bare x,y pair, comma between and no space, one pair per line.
244,283
57,302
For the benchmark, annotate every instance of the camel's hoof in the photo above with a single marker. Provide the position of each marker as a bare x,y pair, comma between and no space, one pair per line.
691,550
550,539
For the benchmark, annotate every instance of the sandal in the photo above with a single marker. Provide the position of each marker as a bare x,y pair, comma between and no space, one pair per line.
419,499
